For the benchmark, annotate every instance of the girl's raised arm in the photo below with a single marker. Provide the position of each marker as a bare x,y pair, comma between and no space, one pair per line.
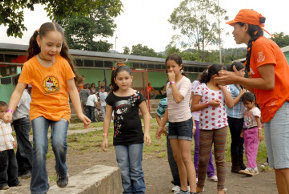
147,117
74,96
14,100
106,125
228,97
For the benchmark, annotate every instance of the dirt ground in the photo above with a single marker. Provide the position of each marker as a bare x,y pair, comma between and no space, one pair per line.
157,175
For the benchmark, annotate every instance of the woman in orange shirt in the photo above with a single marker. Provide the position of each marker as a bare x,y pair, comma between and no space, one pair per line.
50,71
268,70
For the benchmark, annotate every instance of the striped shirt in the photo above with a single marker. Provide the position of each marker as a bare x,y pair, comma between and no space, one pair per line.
238,110
6,137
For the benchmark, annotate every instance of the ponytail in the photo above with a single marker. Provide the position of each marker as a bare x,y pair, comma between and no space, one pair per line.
255,32
208,73
34,49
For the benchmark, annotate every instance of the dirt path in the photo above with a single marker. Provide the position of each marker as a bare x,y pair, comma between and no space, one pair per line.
158,177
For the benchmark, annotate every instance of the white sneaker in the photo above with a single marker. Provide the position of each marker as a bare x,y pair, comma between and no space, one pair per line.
213,178
176,188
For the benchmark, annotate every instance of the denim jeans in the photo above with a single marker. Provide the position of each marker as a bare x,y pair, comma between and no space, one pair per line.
39,181
90,113
22,128
173,164
8,169
103,111
129,159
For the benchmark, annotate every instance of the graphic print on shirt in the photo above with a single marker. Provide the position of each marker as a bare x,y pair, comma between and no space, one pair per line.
50,84
122,107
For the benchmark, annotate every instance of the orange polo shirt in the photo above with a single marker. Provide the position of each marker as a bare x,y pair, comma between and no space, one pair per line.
49,88
265,51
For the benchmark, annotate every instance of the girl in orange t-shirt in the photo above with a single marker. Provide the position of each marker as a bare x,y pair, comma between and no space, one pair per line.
50,71
268,70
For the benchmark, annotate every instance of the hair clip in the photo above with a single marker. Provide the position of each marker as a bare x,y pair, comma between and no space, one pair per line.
38,30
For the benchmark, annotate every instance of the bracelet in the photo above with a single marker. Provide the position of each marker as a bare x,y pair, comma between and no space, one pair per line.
172,82
105,134
10,110
207,103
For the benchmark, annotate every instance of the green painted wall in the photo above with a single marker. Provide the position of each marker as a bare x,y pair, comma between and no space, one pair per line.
6,91
287,56
94,75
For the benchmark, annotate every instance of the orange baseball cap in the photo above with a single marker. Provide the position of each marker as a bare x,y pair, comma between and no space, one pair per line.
248,16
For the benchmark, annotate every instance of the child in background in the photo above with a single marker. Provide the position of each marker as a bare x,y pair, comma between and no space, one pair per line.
91,103
180,122
50,71
252,133
211,98
172,163
102,96
22,127
196,115
8,163
128,136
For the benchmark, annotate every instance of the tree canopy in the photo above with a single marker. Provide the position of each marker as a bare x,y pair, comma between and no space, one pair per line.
89,32
196,21
281,39
12,14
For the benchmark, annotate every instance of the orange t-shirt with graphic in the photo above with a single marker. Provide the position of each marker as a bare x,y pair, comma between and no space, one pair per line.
265,51
49,88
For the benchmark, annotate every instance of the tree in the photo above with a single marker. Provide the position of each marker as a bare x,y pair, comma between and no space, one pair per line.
12,15
196,21
141,50
172,49
281,39
126,50
87,32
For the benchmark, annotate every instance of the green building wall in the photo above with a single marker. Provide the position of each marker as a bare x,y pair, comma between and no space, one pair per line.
6,91
287,56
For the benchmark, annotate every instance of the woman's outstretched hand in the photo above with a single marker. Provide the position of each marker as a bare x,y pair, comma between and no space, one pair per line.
227,77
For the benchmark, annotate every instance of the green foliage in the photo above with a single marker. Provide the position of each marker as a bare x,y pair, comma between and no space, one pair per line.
11,11
143,50
281,39
126,50
197,22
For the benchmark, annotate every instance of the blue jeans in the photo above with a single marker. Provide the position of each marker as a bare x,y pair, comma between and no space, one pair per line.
129,159
22,128
39,181
103,111
173,164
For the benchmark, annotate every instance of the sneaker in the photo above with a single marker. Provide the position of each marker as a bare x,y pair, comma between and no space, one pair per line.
255,171
62,181
182,192
5,187
176,188
250,171
213,178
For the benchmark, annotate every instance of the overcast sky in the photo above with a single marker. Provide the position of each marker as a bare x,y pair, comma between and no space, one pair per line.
146,22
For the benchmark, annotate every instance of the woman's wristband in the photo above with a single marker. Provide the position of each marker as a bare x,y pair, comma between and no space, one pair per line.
172,82
207,103
10,110
105,134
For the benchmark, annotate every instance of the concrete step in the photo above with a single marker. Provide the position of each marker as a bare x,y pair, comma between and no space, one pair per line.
98,179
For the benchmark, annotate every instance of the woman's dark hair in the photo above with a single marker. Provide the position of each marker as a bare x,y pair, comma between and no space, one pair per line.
34,49
208,73
177,59
114,74
255,32
238,66
248,97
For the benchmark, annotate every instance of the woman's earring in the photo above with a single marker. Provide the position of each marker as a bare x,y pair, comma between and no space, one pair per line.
182,70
